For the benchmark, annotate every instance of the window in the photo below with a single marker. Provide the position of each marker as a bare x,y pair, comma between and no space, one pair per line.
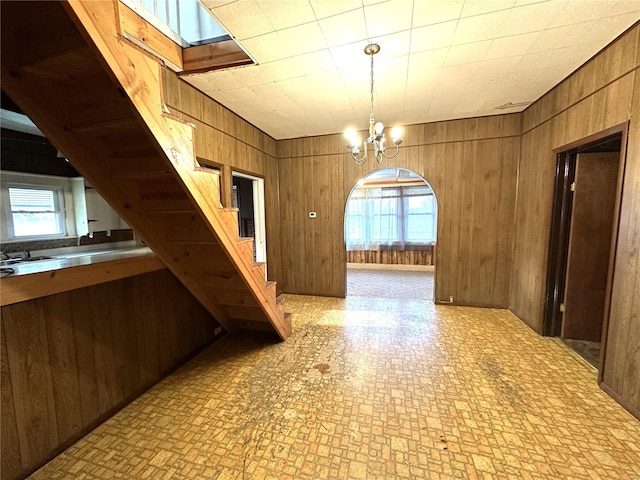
36,211
392,217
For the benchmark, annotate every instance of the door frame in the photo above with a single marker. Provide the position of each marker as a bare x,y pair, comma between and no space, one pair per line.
437,213
560,229
259,217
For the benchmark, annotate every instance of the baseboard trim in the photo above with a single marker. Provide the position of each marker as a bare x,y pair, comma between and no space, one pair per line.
386,266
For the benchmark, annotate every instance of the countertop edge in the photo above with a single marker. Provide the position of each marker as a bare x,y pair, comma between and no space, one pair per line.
15,289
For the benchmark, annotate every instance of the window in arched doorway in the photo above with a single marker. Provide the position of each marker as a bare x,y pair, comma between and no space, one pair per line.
390,228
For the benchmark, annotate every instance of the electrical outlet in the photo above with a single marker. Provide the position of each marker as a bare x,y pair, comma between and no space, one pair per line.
217,331
451,299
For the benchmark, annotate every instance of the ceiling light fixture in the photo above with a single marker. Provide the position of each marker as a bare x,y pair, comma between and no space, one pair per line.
376,130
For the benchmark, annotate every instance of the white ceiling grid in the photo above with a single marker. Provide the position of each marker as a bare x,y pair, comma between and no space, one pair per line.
439,59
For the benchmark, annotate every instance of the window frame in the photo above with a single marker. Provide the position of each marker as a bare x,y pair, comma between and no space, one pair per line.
400,194
58,211
65,202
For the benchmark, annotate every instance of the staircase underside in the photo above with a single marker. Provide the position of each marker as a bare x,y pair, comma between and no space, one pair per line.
60,80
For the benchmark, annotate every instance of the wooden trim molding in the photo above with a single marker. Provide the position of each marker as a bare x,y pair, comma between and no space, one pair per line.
140,32
213,56
27,287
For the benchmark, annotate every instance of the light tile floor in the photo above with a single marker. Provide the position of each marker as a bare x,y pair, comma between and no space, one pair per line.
370,389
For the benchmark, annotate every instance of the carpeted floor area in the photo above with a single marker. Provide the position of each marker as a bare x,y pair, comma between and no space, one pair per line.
590,351
401,284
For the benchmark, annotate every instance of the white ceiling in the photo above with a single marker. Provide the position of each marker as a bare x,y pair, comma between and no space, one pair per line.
439,59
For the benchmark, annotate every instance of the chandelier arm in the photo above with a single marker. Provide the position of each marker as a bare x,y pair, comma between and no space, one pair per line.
393,154
361,160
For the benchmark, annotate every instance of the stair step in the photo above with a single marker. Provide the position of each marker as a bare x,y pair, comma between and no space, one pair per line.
254,325
140,168
241,312
183,227
102,126
230,281
236,297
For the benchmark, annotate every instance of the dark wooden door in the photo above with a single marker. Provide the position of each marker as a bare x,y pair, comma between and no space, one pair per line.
590,245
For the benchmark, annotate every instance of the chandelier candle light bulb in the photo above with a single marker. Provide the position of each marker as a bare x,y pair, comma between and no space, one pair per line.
376,136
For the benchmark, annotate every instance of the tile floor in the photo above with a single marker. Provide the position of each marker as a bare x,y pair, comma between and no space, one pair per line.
370,389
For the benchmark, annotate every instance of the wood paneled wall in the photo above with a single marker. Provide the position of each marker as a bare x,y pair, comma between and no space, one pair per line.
224,139
471,165
71,359
393,257
603,93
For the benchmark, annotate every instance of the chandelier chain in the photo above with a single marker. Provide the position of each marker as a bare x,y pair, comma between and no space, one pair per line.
371,84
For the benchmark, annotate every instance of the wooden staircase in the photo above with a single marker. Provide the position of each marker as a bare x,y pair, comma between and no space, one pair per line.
97,98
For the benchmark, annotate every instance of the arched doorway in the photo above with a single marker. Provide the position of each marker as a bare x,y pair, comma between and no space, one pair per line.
390,232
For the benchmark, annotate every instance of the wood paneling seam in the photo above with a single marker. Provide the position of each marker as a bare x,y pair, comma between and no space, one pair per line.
578,101
480,139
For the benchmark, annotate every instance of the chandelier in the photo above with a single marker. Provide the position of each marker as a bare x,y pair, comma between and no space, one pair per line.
376,136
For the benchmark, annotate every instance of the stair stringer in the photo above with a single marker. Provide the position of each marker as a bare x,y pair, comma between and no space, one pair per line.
225,229
140,76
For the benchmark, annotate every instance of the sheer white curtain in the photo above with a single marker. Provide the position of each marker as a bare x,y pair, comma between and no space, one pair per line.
390,218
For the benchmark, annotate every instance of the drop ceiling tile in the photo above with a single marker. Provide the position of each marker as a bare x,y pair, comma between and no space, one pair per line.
350,55
344,28
292,93
435,11
237,94
432,37
285,107
456,74
489,70
604,30
325,81
480,27
266,48
511,46
561,57
293,86
388,17
222,81
268,91
302,39
297,66
247,76
216,3
623,6
529,18
469,53
427,61
243,19
560,37
481,7
578,12
519,3
391,46
328,8
287,13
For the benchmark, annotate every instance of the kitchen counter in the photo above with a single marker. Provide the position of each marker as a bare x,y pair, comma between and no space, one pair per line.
69,269
75,259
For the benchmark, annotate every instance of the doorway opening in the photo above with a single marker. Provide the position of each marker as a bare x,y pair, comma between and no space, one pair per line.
390,232
248,198
588,187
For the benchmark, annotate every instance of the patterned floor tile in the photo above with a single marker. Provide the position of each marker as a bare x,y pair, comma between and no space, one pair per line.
370,388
